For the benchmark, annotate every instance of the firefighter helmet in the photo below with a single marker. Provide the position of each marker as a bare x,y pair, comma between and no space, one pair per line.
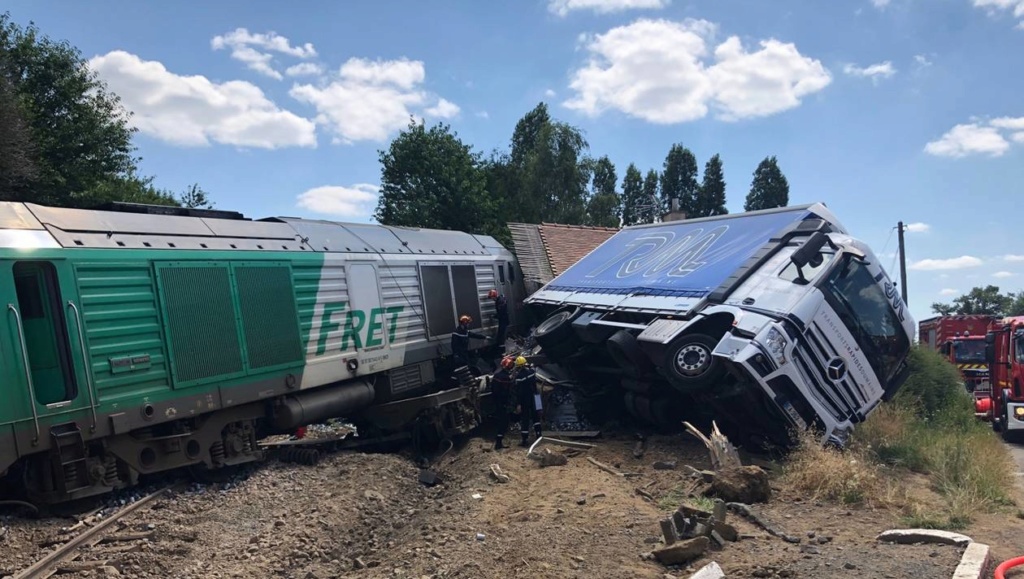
492,294
520,361
508,362
464,319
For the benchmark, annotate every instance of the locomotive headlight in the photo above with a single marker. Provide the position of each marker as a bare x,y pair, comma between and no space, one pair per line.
775,342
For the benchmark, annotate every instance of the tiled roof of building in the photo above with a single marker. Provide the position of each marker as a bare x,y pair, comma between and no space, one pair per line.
567,244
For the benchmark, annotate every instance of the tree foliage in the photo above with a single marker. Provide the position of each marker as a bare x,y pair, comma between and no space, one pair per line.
769,187
711,198
632,195
679,180
430,178
605,206
65,139
648,210
987,300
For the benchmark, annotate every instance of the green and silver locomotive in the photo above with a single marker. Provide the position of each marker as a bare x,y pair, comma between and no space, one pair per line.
138,339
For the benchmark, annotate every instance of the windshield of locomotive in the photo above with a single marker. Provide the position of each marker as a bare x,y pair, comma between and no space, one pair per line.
865,311
969,351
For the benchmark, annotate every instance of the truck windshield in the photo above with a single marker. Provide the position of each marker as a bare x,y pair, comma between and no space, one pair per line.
969,351
865,311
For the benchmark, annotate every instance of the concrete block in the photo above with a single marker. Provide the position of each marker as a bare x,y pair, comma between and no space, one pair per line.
973,563
710,571
932,536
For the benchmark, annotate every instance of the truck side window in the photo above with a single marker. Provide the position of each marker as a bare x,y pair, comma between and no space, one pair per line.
1020,350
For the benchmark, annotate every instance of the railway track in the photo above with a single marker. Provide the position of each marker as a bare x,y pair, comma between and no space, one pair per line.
91,536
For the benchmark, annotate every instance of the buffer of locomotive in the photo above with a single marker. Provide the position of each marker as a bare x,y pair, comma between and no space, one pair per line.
138,340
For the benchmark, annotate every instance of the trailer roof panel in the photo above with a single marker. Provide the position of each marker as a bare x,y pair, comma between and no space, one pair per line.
688,258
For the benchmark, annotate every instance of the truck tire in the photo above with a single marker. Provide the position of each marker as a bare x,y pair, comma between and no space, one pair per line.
689,365
624,349
555,335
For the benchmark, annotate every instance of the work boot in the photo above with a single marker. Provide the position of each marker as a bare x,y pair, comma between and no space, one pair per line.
536,429
498,443
525,442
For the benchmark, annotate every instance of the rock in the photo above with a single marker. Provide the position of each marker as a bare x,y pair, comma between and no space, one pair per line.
429,478
109,572
665,465
824,539
727,531
906,536
810,550
744,484
849,566
582,500
373,495
683,551
553,459
710,571
358,563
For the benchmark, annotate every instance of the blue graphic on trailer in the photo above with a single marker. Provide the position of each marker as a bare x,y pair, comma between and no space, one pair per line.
687,258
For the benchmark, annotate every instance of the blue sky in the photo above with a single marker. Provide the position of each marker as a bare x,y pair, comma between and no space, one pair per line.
885,110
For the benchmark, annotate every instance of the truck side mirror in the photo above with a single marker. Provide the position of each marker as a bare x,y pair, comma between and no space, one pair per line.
990,337
990,354
946,348
810,251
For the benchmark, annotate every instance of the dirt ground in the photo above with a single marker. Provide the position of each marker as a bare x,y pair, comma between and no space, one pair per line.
367,515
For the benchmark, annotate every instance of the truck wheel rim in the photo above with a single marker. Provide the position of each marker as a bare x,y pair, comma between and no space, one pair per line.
693,360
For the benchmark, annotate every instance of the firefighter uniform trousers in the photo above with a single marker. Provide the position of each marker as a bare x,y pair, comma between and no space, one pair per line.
502,387
529,403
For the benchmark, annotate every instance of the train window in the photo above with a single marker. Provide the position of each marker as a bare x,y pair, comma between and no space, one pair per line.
501,273
467,293
437,293
45,331
511,272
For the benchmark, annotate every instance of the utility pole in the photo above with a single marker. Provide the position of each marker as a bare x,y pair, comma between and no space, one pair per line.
903,265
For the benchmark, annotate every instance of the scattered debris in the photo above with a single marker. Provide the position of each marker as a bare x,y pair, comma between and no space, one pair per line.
640,447
665,465
907,536
749,513
710,571
429,477
373,495
683,552
742,484
476,496
609,469
723,453
498,475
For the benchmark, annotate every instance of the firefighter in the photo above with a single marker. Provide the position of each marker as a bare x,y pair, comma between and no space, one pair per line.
501,389
460,340
501,308
528,399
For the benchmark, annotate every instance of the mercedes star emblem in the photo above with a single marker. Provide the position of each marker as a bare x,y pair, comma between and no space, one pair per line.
836,369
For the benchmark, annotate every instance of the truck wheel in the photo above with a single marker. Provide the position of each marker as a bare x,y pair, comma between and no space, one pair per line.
555,335
689,364
624,349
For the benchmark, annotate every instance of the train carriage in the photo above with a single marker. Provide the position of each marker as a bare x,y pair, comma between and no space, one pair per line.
139,339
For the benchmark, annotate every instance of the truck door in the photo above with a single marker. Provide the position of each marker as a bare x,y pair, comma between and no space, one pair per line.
45,333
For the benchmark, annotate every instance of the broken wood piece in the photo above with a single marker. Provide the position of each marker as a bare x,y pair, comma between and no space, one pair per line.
605,467
644,494
723,453
750,514
668,531
127,537
498,474
567,443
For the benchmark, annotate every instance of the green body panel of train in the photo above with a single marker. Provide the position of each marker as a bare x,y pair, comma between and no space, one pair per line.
136,342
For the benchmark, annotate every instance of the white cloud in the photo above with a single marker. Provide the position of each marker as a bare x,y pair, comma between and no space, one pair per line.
949,292
243,45
874,71
193,111
917,227
564,7
963,140
1017,137
880,3
483,115
368,100
444,109
1011,123
961,262
355,201
922,61
1012,257
994,7
550,94
1003,274
305,69
655,70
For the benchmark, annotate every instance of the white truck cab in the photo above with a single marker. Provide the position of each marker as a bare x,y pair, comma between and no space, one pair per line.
778,319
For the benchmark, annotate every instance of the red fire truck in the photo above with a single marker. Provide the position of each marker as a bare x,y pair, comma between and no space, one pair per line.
1004,350
961,339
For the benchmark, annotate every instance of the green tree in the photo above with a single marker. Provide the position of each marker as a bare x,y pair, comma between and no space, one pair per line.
769,188
430,178
195,197
605,206
17,150
79,130
632,195
711,200
131,189
679,180
983,300
545,175
647,211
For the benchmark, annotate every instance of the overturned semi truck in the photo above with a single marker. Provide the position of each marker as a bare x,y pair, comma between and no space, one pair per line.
774,320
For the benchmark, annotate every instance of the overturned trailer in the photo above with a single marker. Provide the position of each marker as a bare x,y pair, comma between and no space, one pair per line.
773,320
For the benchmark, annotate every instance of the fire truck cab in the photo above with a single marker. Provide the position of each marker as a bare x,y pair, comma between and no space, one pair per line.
1004,352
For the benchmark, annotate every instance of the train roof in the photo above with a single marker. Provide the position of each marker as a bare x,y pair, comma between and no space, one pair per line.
136,226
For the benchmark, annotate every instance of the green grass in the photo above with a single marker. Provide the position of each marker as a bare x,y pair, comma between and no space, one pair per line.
928,428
